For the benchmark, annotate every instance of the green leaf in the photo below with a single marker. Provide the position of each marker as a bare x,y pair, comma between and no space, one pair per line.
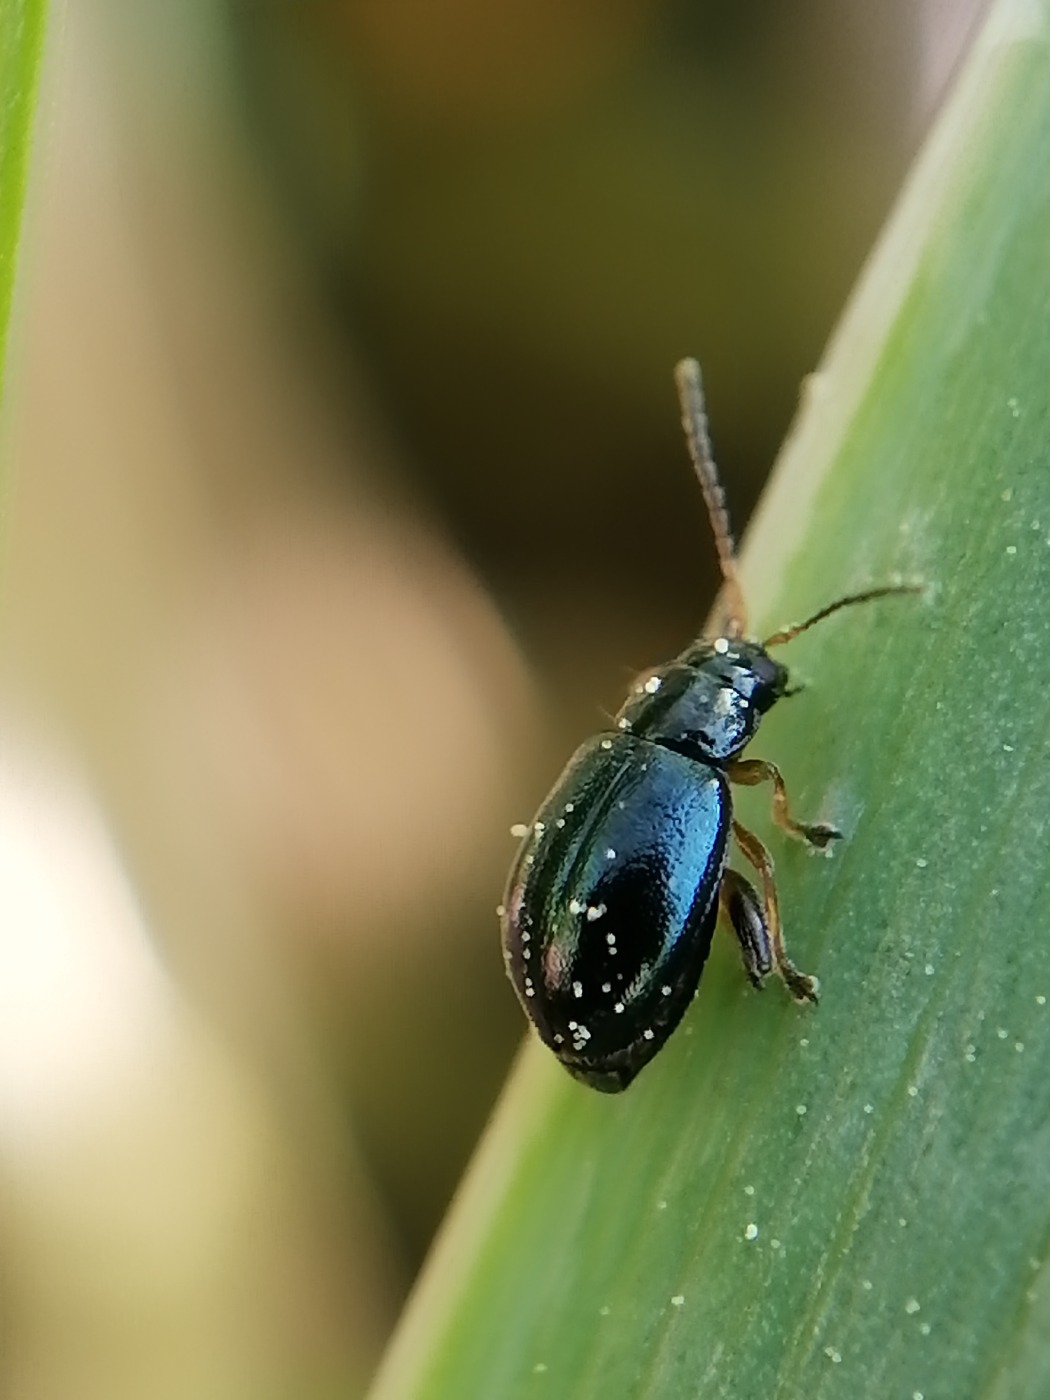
21,39
852,1200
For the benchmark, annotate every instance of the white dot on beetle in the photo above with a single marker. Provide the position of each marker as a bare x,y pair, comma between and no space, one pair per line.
577,989
618,1008
606,744
519,829
572,1025
501,909
623,723
610,854
606,986
665,990
595,911
610,938
647,1034
576,906
652,685
569,807
751,1231
559,823
721,645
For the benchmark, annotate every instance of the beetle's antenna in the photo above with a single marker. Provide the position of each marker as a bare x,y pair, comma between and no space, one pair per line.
694,421
787,634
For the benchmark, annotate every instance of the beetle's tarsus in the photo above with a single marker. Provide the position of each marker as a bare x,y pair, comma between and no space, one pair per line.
818,834
801,986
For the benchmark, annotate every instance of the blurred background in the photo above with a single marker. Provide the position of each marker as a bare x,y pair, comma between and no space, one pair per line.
344,496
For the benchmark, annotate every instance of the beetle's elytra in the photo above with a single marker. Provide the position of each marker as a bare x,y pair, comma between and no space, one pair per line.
612,900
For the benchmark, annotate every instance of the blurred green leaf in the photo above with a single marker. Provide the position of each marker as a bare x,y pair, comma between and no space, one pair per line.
21,39
855,1200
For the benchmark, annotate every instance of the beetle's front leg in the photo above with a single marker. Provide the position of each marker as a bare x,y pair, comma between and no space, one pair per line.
801,986
750,771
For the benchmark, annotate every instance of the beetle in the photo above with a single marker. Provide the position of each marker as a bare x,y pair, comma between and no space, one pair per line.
611,902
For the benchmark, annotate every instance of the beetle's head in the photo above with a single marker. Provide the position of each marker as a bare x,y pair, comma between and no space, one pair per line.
742,665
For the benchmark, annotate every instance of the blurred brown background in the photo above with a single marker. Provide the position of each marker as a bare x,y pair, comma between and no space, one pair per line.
345,494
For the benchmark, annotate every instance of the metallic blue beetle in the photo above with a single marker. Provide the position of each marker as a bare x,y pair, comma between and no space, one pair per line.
611,903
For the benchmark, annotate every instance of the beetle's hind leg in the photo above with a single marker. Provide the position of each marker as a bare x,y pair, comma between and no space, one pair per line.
758,926
750,771
743,908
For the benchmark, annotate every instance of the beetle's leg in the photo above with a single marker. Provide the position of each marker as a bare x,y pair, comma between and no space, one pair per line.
749,771
801,986
743,909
